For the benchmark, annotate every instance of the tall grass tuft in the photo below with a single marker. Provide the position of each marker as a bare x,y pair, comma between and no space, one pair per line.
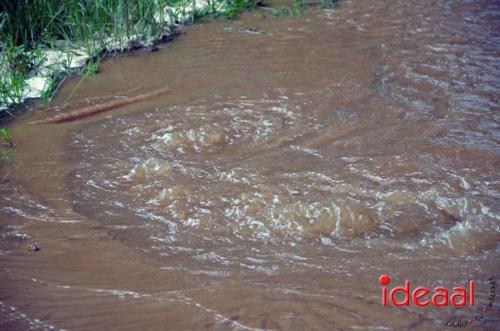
28,25
28,22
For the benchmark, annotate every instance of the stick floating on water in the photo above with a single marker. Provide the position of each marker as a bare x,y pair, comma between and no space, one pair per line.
99,108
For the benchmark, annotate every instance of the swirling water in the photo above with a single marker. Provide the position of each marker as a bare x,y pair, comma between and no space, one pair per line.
294,160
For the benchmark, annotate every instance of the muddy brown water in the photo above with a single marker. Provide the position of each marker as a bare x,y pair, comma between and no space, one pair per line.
291,162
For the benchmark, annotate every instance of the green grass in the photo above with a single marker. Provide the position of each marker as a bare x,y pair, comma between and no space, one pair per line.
298,6
282,11
26,26
33,21
30,22
5,138
235,7
6,145
29,26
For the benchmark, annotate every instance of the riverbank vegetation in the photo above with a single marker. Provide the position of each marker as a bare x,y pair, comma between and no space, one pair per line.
41,40
6,144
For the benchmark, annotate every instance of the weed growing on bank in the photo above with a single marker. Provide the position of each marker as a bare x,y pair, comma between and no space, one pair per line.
296,9
42,41
5,138
6,145
92,27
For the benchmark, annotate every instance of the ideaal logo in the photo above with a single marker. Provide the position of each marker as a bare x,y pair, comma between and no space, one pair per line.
458,296
419,296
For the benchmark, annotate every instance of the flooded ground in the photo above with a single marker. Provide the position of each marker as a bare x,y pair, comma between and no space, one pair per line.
286,164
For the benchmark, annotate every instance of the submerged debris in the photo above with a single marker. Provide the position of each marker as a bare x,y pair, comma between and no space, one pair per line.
100,108
34,247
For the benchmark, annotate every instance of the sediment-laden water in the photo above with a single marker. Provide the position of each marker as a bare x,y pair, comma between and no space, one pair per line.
287,163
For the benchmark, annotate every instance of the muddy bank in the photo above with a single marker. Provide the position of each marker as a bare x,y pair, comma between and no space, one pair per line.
48,61
281,174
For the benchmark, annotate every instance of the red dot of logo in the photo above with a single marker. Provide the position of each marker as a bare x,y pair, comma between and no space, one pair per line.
384,279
